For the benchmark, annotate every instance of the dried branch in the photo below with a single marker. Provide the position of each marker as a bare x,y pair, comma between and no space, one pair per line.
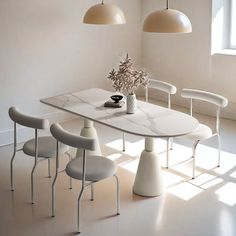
126,79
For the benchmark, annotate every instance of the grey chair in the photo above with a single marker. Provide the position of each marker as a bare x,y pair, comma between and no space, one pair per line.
88,169
204,132
41,148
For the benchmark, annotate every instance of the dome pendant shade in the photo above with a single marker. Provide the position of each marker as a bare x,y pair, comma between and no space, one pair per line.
104,14
167,21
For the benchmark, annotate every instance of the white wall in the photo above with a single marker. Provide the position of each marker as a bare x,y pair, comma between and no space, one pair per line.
46,50
186,60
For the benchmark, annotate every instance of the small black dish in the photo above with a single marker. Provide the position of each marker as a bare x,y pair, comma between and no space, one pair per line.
116,98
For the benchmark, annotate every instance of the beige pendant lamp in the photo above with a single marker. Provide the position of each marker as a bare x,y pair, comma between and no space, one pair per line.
104,14
167,21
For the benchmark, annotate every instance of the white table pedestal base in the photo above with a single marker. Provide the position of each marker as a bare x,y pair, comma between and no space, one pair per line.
89,131
148,180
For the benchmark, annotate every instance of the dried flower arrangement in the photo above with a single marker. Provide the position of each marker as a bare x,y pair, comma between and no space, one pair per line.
126,79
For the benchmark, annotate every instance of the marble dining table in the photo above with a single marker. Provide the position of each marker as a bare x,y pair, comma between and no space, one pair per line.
149,121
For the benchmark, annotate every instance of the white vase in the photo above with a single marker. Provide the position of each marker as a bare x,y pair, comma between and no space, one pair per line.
131,103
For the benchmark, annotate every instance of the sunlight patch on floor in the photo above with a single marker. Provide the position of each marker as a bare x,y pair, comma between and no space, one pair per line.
228,162
132,148
114,156
233,175
206,181
203,179
171,179
212,183
179,153
185,191
227,194
131,165
177,179
206,157
185,169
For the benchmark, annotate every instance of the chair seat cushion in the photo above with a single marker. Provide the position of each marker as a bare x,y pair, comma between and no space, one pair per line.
200,133
97,168
46,147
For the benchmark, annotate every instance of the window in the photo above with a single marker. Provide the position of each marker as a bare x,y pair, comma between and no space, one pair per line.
224,26
232,38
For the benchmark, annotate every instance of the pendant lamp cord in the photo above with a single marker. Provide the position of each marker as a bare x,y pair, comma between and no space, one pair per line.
102,2
167,4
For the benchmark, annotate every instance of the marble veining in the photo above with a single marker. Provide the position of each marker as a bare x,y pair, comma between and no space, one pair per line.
150,120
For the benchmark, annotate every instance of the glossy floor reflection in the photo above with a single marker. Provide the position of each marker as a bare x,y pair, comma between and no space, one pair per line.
204,206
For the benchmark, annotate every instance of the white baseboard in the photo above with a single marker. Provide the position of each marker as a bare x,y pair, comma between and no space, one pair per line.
23,133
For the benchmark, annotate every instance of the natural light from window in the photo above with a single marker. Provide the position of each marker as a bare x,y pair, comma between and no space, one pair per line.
177,179
233,25
227,194
217,29
224,26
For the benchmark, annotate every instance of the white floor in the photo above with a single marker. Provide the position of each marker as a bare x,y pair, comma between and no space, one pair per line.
202,207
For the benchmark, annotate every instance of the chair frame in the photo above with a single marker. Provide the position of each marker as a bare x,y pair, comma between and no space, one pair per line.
35,161
36,124
84,182
169,89
220,102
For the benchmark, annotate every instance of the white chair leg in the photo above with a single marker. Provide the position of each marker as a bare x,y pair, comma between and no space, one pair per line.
92,192
194,157
171,143
70,179
70,158
32,182
35,164
193,177
78,215
167,153
54,182
219,149
13,156
117,195
123,142
49,168
53,194
11,167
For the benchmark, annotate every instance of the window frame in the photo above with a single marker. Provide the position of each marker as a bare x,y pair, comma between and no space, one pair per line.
232,24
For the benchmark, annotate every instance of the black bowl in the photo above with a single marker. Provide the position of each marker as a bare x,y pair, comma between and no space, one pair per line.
116,98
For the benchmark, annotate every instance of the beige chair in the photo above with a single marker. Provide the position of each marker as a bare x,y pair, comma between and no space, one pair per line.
41,148
203,132
88,169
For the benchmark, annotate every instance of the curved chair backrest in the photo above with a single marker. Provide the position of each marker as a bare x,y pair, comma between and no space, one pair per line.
72,140
162,86
218,100
28,121
213,98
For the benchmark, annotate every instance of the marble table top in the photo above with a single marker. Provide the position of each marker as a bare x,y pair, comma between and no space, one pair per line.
149,120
